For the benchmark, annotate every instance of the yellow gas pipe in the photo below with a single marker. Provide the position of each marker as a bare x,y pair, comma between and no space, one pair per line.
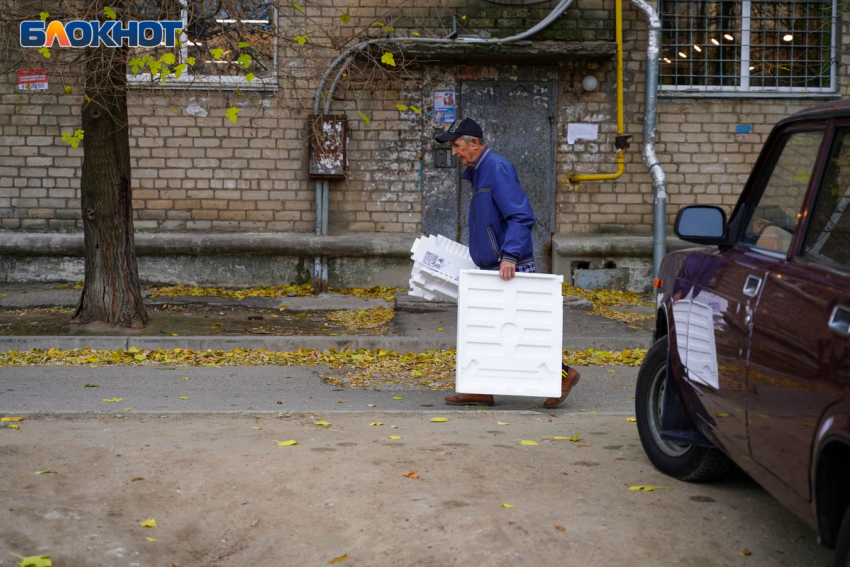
621,157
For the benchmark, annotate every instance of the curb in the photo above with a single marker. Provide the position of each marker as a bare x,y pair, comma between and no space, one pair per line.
287,343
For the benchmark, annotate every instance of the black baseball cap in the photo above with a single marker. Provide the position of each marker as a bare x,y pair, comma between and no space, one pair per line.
465,127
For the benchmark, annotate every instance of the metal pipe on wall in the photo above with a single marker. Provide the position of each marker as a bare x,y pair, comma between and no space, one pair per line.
650,118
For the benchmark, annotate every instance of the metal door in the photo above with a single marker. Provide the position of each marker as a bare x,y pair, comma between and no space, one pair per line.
518,119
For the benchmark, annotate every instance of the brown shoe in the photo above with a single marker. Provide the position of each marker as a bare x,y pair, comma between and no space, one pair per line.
470,400
567,384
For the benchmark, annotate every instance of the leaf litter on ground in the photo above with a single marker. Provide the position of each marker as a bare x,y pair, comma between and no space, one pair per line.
604,299
364,368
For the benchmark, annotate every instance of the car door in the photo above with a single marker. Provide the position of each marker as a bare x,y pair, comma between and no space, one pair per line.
719,307
800,340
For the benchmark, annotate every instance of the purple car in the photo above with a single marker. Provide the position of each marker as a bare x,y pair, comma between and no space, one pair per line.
751,358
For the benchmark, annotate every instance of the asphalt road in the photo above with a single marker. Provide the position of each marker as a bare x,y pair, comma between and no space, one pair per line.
255,389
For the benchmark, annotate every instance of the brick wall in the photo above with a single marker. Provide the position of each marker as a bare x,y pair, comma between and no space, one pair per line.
195,170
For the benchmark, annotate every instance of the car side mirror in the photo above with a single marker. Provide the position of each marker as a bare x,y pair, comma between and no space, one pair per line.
701,224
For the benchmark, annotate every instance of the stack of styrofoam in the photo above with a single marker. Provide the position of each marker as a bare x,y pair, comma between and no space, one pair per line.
437,262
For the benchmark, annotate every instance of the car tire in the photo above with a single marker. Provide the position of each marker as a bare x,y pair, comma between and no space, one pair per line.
689,463
842,546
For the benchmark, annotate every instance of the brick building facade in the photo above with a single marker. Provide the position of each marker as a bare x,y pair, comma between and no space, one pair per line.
195,172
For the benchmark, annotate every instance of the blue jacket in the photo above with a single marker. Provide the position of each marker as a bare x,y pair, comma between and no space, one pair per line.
500,216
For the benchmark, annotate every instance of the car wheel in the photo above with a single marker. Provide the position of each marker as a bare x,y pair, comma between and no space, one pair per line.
684,462
842,547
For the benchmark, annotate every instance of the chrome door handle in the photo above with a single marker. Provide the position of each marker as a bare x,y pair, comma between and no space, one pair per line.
840,320
751,286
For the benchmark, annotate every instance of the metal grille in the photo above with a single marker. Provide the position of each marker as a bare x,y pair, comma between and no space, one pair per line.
748,45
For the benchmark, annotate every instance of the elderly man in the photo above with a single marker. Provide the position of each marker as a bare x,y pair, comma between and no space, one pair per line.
500,223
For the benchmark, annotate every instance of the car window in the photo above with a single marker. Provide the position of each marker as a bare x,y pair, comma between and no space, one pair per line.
775,215
828,236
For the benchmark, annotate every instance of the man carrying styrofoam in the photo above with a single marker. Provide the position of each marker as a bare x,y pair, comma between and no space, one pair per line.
500,223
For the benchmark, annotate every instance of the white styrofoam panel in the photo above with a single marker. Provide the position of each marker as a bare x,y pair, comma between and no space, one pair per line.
440,254
694,324
509,334
438,285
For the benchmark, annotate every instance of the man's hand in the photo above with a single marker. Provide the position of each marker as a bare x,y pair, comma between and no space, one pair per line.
507,269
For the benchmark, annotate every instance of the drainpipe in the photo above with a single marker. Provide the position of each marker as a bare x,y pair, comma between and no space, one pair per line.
650,117
621,156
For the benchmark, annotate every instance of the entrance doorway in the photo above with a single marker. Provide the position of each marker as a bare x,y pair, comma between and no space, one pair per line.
519,122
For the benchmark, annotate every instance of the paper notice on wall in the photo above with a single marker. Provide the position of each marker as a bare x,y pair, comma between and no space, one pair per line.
582,131
444,106
32,79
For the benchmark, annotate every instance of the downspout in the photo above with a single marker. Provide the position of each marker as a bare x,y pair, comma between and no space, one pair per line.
650,117
621,155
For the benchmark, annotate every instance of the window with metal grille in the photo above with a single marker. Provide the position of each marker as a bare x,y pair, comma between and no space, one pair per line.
748,45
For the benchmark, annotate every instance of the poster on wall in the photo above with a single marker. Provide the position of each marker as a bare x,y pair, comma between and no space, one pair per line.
444,106
32,79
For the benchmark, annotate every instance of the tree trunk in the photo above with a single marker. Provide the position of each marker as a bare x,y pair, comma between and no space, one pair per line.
112,293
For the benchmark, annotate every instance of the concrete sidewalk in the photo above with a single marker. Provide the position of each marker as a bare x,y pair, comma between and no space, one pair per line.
418,325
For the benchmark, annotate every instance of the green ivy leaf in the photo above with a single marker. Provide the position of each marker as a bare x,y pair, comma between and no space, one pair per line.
43,16
79,133
135,63
243,44
364,118
401,107
167,58
217,53
232,113
45,51
244,60
301,39
415,34
299,8
68,90
33,560
249,77
110,13
388,59
190,60
178,70
345,18
416,110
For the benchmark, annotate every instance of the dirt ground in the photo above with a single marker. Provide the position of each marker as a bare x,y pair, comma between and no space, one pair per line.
223,492
181,320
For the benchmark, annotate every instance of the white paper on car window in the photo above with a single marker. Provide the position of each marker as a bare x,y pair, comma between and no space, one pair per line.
583,131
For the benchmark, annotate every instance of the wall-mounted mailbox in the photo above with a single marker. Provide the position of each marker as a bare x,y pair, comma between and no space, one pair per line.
443,157
328,147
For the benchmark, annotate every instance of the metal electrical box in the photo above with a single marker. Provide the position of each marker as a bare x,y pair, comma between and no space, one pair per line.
328,146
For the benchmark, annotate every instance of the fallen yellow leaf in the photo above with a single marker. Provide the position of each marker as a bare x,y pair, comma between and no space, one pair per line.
257,428
508,506
33,560
746,552
501,423
644,488
560,528
376,423
524,442
631,419
394,426
594,411
323,423
393,437
13,426
287,443
559,438
411,475
341,402
441,329
398,397
340,558
439,419
127,409
721,415
151,539
148,523
371,405
186,378
112,400
574,438
11,419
